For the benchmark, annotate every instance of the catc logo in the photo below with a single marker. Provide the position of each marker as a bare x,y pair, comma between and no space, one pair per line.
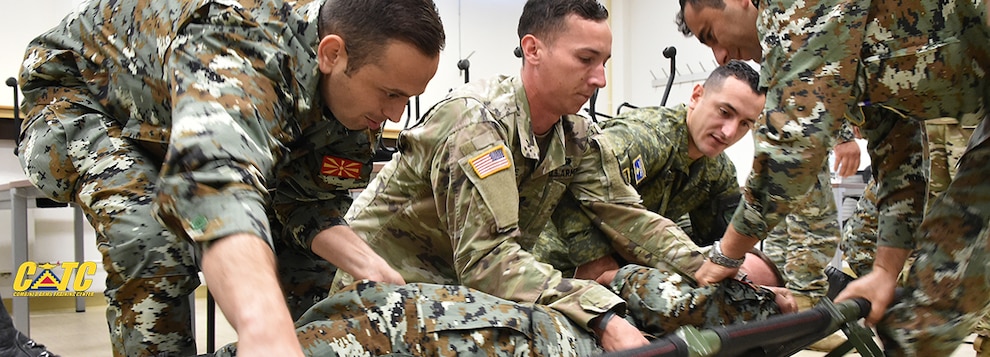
35,279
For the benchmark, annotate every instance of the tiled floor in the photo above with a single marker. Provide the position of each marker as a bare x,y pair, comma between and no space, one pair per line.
84,334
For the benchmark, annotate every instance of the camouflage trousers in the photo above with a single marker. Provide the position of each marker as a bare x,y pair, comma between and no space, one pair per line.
859,234
73,154
950,281
367,318
804,243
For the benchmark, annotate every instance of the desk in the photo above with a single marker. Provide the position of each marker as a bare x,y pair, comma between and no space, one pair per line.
14,196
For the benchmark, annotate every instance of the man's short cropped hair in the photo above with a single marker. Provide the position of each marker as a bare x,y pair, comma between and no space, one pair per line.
367,25
545,18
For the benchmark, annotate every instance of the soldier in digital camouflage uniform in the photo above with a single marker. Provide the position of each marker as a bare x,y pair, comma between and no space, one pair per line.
480,176
672,157
420,319
171,122
657,154
880,65
947,139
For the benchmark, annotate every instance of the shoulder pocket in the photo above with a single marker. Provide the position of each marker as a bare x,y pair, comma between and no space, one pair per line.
490,170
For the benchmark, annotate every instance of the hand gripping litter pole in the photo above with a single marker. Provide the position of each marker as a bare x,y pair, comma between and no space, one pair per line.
780,335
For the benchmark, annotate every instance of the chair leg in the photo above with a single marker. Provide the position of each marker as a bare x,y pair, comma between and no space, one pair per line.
210,322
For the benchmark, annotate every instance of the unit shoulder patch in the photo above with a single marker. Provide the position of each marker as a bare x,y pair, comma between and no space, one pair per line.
638,169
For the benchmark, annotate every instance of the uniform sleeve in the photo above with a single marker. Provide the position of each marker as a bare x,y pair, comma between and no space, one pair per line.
846,133
477,201
224,77
573,237
640,236
811,59
710,219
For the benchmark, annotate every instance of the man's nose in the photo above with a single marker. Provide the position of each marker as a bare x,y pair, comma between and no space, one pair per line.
597,78
721,55
393,111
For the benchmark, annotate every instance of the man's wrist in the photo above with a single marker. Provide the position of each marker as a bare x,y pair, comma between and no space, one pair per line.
715,256
599,323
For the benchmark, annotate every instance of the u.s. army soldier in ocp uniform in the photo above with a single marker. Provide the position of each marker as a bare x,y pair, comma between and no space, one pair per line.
190,112
483,172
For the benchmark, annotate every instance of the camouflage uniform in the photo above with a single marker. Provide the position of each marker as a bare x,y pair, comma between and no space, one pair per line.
420,319
470,185
947,139
188,111
883,64
804,243
374,319
651,145
859,233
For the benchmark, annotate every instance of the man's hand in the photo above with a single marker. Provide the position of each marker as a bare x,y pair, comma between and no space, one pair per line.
875,287
846,158
711,273
784,299
878,286
733,245
594,269
340,246
240,271
619,335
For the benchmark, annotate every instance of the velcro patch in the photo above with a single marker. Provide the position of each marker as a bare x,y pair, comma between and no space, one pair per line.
335,166
491,161
638,169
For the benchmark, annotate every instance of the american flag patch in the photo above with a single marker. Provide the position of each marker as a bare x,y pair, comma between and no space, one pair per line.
490,162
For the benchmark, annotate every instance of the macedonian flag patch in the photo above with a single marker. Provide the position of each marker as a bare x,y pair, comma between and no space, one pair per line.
335,166
491,161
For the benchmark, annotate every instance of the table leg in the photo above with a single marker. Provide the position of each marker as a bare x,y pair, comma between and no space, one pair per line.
18,223
80,251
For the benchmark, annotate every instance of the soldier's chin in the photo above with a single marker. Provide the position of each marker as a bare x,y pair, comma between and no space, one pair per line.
355,123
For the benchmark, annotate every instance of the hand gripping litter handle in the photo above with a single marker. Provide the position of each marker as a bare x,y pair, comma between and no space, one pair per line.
756,337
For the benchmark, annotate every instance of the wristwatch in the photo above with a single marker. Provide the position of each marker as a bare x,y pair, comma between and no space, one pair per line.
716,256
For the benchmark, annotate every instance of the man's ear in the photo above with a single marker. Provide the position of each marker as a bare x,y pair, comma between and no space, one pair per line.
696,94
531,49
330,53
